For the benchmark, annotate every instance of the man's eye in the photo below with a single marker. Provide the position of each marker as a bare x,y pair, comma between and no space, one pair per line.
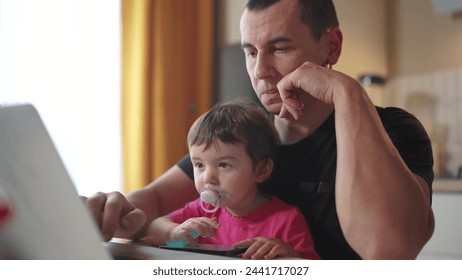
251,53
280,50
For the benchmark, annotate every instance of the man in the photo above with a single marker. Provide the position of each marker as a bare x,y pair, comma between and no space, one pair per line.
361,175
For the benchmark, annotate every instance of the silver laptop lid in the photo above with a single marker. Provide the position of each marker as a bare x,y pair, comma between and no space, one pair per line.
49,219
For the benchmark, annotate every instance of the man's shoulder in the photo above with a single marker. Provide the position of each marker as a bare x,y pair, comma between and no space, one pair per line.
394,118
393,114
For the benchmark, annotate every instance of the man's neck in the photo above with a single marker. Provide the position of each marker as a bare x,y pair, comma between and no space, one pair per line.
291,131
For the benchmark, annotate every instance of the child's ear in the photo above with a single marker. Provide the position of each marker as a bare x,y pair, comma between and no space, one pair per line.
264,169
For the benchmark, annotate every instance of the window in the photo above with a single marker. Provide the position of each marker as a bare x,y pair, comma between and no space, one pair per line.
64,57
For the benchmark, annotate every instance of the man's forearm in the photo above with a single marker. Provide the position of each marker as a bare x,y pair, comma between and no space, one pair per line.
384,210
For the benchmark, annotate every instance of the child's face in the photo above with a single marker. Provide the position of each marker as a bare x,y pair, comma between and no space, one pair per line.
229,167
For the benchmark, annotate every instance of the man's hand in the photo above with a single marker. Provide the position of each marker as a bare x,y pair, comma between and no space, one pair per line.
311,81
266,248
115,216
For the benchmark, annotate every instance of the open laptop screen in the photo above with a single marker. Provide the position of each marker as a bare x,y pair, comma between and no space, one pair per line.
49,219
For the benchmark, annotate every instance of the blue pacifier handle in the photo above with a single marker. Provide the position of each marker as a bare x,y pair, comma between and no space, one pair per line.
182,242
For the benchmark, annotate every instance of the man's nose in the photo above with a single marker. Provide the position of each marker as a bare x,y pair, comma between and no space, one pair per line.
263,67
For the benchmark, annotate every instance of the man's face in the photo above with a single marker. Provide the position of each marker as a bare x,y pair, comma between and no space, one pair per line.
275,43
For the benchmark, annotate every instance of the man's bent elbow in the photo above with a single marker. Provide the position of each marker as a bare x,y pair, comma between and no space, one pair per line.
398,245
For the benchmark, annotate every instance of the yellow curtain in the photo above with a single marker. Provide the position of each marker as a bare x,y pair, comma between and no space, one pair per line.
167,59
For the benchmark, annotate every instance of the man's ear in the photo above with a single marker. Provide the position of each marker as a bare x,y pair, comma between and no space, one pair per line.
335,40
263,170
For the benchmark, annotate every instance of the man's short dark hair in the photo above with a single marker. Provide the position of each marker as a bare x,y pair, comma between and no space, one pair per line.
319,15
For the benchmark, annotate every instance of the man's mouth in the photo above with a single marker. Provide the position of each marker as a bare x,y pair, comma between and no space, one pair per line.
271,92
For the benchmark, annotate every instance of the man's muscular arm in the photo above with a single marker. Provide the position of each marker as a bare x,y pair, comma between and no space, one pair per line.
384,209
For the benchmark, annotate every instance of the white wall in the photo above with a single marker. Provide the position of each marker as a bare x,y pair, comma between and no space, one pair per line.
446,243
232,10
424,41
63,56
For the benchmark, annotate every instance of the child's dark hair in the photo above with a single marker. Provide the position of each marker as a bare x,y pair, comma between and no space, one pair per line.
237,122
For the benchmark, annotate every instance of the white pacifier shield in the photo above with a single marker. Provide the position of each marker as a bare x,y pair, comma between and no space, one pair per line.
209,196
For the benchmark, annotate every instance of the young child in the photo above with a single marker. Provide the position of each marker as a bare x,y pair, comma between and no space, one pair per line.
232,148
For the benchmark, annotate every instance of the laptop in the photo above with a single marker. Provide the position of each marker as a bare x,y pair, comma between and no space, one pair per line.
50,220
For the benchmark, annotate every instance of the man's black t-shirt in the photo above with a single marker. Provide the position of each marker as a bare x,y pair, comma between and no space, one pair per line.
304,175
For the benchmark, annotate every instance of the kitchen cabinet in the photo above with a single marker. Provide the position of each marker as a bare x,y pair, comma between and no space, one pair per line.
446,242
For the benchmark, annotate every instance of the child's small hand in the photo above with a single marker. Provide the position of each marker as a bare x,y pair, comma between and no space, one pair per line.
266,248
202,226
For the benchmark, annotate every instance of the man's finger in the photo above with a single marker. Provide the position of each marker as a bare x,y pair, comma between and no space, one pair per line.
130,223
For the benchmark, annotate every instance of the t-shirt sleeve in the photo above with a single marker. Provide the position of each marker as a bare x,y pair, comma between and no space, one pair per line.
412,141
185,164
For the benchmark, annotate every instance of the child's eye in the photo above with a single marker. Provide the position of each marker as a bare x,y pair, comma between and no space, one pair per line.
223,165
198,165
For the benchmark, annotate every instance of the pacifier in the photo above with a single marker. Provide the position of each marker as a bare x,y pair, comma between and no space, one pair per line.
211,196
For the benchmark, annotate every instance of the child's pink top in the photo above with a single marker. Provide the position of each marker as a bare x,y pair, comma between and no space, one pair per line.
274,219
